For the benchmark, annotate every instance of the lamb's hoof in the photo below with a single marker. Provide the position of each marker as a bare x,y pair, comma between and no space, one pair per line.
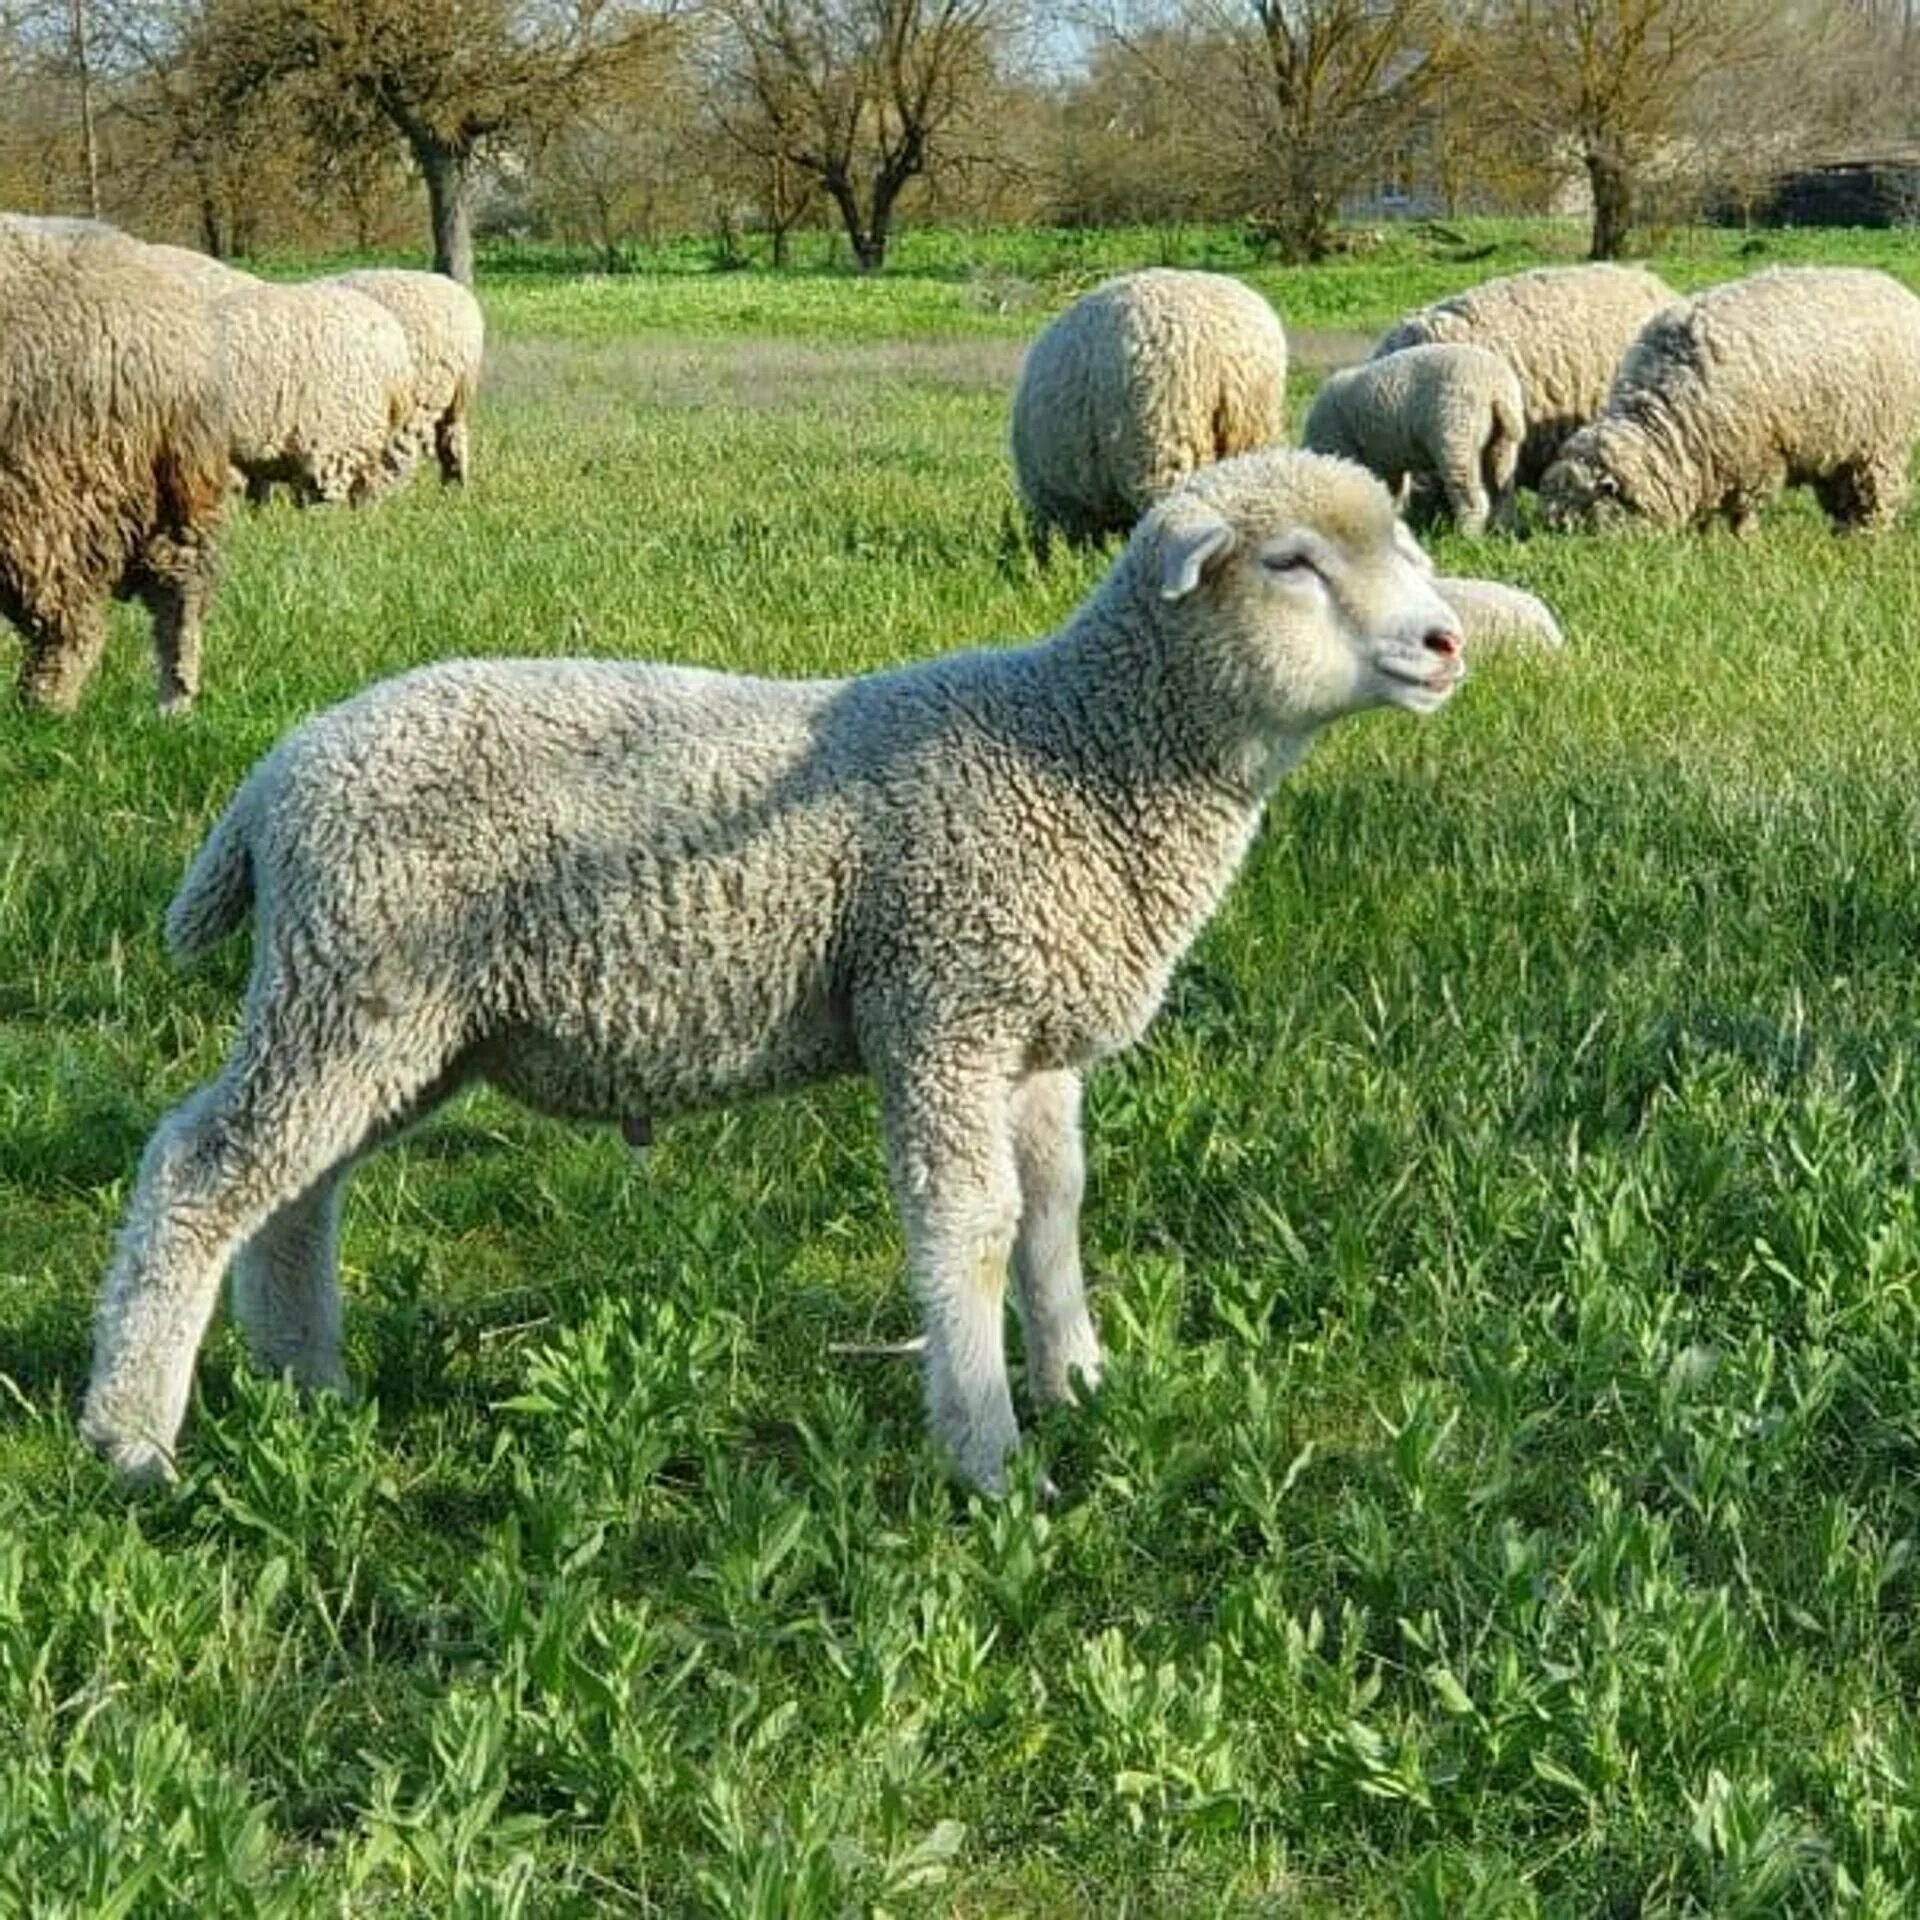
135,1462
175,706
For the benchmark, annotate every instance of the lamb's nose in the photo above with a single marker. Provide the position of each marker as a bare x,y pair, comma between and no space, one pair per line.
1443,641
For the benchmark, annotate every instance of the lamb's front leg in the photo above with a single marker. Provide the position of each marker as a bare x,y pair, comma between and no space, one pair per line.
1049,1290
950,1155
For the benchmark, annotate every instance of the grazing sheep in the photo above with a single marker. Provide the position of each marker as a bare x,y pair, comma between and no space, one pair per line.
208,277
1453,412
1135,386
320,384
446,337
1801,376
113,467
620,890
1563,331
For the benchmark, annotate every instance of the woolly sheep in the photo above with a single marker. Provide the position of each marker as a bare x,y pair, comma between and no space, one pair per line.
617,889
446,338
1805,376
320,384
1453,412
208,277
1563,331
1134,386
113,468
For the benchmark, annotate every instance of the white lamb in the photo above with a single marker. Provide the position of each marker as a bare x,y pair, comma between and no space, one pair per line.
1136,385
1452,413
1561,329
1801,376
620,890
446,337
319,383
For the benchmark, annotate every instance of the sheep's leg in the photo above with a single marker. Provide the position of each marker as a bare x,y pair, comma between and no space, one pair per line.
950,1155
61,657
286,1112
259,489
1466,495
1049,1290
286,1288
176,607
450,446
1863,496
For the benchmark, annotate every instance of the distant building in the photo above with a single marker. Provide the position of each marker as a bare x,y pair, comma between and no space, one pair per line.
1881,190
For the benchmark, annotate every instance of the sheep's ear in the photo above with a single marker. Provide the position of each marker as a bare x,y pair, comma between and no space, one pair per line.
1187,545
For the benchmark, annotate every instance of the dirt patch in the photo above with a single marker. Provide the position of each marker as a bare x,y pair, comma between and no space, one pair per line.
1312,352
770,375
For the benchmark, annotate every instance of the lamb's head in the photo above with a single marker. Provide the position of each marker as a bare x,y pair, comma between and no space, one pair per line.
1590,486
1289,579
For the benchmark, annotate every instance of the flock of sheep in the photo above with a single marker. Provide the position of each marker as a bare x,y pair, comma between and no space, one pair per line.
1621,402
137,382
617,890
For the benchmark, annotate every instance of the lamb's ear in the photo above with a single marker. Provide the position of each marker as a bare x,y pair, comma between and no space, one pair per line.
1410,547
1191,537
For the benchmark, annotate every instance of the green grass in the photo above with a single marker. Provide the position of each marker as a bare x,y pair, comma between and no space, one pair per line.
1503,1500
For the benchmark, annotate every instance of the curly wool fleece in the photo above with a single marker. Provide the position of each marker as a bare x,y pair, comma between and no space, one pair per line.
619,890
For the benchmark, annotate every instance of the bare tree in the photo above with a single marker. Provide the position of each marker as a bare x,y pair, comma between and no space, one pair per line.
1299,100
450,77
1620,84
864,96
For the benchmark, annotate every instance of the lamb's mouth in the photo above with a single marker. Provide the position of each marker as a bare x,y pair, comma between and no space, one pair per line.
1425,674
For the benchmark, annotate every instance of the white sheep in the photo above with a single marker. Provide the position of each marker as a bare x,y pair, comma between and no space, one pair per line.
206,276
620,890
1451,412
319,382
1137,384
446,336
113,471
1801,376
1561,329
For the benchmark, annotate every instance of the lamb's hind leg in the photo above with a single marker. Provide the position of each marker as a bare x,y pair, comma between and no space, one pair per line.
950,1156
286,1288
1467,499
288,1110
1049,1290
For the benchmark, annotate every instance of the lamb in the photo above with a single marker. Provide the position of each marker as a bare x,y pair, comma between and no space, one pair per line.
621,890
321,383
1797,376
446,337
1449,411
1563,331
1137,384
113,467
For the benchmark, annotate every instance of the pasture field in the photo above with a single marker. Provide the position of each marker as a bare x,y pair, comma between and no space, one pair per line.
1503,1500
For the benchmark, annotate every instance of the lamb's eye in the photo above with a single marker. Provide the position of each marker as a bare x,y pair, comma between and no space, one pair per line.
1296,566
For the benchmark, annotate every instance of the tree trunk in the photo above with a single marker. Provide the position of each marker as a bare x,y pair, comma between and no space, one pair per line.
448,172
89,140
844,197
1612,204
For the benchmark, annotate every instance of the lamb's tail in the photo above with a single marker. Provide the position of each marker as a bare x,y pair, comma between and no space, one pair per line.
214,897
1501,457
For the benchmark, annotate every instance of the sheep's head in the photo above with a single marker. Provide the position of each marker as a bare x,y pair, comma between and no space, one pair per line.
1587,488
1290,575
